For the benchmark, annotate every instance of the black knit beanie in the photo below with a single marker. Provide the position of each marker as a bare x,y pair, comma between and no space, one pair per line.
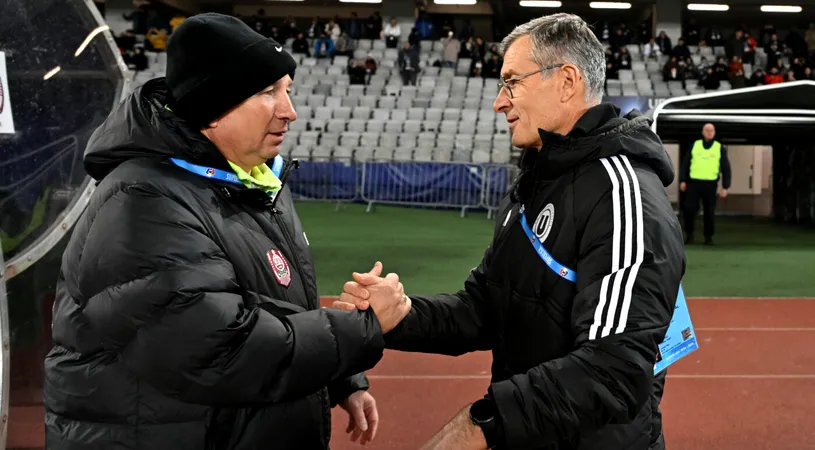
215,62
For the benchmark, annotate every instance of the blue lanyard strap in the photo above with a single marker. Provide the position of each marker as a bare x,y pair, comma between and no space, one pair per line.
553,264
223,175
208,172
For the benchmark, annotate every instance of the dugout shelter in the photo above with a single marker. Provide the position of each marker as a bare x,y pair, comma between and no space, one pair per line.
781,116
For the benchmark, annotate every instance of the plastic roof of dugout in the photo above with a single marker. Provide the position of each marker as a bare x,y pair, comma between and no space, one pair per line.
64,74
761,115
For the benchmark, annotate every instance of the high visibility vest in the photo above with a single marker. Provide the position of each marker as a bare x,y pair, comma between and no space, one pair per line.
704,163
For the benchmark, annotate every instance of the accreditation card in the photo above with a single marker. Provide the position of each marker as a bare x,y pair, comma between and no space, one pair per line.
680,340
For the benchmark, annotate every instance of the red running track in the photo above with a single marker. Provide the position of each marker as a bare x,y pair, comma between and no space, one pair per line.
750,386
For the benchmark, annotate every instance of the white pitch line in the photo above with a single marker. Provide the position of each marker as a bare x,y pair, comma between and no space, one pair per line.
683,376
757,329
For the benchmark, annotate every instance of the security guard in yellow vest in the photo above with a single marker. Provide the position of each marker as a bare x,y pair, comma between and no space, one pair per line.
699,179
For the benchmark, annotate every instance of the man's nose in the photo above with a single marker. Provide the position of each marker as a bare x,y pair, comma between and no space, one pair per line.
287,111
501,102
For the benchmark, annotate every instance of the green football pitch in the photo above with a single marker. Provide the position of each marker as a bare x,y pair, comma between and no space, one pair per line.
434,250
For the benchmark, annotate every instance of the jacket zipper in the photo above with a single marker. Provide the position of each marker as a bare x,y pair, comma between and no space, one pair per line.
284,175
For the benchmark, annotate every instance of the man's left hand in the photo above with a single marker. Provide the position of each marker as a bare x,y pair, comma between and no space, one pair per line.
363,417
723,193
459,434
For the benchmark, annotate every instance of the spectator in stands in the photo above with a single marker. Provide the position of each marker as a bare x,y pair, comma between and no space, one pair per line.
475,70
790,76
276,34
691,32
758,78
664,43
738,80
344,46
391,33
798,66
702,67
374,26
187,312
681,51
624,59
139,60
750,45
721,69
493,51
425,25
176,21
735,65
644,33
300,45
139,18
774,76
355,26
332,29
290,28
735,45
450,49
714,38
618,40
356,72
323,47
699,175
562,372
466,50
260,23
157,40
766,34
710,81
370,68
409,64
670,64
779,66
314,30
689,70
492,68
773,49
414,38
651,50
675,74
126,41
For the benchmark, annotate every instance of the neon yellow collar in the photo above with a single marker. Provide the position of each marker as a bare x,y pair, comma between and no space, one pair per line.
259,177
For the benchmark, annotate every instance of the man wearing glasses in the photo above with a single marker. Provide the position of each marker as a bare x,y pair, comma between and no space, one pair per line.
578,287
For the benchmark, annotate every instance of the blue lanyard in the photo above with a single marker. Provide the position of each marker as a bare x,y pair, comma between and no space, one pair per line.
553,264
208,172
223,175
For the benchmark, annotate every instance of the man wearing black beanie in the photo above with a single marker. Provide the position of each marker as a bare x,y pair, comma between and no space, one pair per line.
187,314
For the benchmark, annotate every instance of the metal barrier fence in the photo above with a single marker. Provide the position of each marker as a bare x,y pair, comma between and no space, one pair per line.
437,184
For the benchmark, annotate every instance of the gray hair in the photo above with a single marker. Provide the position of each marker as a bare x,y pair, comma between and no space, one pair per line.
565,38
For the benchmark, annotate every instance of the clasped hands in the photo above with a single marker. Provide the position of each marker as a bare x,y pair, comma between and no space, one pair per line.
385,295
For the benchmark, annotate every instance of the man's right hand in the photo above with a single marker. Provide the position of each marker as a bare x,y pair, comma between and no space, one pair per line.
683,186
386,296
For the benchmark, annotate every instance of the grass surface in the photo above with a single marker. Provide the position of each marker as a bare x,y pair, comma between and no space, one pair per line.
433,251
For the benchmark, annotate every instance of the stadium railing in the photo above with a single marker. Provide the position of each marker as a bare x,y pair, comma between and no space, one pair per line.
437,184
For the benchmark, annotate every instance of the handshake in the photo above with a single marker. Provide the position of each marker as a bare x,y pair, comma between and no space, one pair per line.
386,296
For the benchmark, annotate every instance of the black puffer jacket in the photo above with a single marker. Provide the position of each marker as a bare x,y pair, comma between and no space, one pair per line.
573,361
175,326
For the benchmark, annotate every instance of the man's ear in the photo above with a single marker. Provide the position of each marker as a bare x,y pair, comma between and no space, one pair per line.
570,82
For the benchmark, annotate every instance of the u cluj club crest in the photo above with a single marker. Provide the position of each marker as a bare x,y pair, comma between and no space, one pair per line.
280,267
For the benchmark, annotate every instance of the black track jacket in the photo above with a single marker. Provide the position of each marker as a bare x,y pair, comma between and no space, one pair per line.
174,326
572,362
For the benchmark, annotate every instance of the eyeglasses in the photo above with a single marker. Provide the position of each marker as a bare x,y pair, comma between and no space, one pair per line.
505,83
